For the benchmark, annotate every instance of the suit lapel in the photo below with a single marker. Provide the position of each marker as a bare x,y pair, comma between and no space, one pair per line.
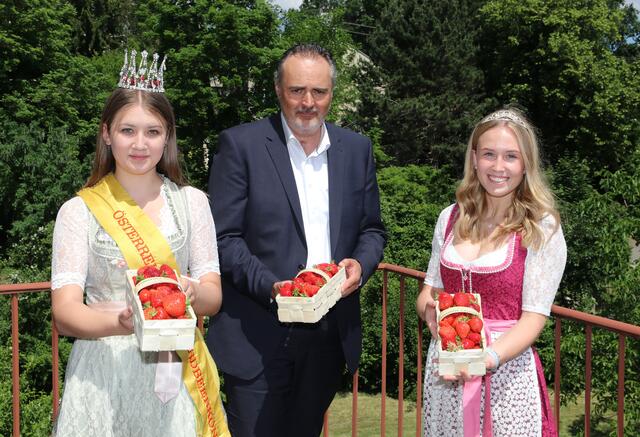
277,148
335,158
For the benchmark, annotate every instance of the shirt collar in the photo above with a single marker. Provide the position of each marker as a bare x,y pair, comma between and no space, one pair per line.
291,139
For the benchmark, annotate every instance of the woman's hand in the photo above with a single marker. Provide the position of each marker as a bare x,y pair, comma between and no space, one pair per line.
426,308
205,293
125,318
189,289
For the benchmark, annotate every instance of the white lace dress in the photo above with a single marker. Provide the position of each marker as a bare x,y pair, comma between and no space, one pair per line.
109,382
518,407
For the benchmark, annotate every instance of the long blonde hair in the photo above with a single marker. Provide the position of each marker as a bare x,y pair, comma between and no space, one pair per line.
532,199
158,104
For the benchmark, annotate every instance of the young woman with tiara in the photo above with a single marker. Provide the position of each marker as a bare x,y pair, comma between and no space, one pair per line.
111,387
501,239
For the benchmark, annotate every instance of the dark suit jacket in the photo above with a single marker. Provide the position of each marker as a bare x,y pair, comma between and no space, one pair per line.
261,238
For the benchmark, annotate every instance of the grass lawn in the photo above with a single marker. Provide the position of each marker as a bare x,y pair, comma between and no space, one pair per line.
369,416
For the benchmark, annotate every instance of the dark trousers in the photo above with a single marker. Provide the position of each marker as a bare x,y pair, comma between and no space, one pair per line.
289,398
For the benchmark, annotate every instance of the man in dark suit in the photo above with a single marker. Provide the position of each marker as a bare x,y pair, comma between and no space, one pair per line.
288,192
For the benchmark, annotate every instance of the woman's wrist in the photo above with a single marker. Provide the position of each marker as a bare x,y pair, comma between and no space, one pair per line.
494,357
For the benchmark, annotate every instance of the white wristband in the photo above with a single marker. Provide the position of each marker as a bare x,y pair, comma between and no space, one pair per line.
494,355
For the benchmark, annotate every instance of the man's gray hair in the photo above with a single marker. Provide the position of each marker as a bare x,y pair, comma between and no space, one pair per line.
307,51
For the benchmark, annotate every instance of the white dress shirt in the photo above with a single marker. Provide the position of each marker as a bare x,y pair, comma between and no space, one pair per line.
312,181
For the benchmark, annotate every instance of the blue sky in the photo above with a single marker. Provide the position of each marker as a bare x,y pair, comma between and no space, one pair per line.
287,4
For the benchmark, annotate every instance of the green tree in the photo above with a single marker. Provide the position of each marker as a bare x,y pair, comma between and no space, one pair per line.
220,60
432,91
557,59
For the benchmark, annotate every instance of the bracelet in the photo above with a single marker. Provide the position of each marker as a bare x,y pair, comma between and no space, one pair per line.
495,356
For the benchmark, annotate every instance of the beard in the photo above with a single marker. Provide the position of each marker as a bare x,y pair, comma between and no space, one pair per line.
307,127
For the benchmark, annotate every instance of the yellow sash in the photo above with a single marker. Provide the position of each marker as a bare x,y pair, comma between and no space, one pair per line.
142,243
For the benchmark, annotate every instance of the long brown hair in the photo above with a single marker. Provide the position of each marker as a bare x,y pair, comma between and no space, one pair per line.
532,199
158,104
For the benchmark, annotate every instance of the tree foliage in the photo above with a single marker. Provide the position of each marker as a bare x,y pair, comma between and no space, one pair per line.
433,69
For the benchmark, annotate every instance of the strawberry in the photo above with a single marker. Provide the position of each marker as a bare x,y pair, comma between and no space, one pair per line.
449,319
461,299
475,306
468,344
462,328
156,296
175,304
151,272
445,300
475,324
149,313
475,337
166,289
286,289
310,289
144,295
312,278
447,333
167,272
161,314
329,268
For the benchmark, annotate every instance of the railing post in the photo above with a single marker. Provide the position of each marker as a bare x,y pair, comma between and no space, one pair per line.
401,360
325,424
556,377
419,382
587,387
621,354
383,398
354,405
15,365
55,375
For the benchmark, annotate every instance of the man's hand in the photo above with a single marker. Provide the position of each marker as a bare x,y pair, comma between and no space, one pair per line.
354,275
276,288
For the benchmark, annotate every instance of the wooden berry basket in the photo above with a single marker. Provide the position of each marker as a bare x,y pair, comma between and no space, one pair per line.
470,360
312,309
159,335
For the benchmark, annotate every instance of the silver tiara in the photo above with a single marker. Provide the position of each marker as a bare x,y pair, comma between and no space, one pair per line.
142,77
506,115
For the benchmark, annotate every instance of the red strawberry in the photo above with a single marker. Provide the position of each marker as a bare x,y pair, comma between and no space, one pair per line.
475,306
144,296
156,296
149,313
447,333
462,328
175,304
286,289
329,268
310,289
167,271
475,324
461,299
166,288
313,278
161,314
475,337
449,319
468,344
445,300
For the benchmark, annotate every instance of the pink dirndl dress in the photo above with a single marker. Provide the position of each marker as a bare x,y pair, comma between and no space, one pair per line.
518,403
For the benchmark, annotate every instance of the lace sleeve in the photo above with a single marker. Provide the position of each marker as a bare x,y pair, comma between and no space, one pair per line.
203,246
69,257
543,270
433,271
